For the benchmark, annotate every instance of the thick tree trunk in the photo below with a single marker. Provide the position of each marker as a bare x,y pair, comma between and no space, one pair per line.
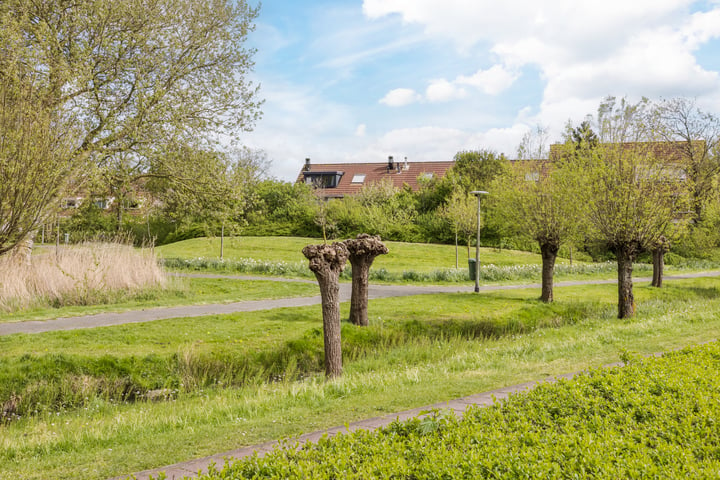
658,267
661,248
359,296
626,299
327,262
549,255
362,251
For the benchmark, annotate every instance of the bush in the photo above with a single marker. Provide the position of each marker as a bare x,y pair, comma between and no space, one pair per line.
631,422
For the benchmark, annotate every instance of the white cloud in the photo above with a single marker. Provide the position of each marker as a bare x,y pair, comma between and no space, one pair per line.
582,51
491,81
400,97
443,91
702,27
361,130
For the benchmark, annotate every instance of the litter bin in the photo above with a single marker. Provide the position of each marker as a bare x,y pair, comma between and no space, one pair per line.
471,268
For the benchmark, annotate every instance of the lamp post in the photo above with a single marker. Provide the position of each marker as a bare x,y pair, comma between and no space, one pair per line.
478,194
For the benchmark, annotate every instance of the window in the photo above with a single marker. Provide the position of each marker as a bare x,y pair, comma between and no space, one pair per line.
532,176
323,179
70,203
427,175
358,178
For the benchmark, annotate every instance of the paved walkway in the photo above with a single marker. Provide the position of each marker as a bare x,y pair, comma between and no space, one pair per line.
375,291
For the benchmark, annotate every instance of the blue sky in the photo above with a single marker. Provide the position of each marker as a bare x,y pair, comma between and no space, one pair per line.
358,80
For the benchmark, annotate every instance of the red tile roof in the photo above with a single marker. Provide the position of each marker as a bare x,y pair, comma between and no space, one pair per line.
401,174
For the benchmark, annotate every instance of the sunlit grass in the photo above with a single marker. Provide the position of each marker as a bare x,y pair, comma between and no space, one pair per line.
420,257
579,331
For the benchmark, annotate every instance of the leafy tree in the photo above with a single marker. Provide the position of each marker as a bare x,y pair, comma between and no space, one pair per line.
461,213
540,201
581,136
281,208
387,211
36,143
222,200
681,120
632,196
144,80
476,169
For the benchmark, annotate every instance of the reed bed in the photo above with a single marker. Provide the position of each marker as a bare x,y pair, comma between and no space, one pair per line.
83,274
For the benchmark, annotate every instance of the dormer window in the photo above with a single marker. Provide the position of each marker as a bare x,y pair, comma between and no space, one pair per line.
323,179
358,178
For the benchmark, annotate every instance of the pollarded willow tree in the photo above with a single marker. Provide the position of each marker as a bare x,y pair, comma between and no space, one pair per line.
327,262
143,80
540,200
363,249
633,196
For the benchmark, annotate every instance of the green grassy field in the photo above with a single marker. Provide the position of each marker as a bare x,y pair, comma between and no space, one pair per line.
402,256
417,351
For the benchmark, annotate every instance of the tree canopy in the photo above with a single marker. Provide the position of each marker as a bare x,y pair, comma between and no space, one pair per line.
141,80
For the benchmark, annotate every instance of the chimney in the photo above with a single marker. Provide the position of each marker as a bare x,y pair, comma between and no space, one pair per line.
391,163
407,165
307,165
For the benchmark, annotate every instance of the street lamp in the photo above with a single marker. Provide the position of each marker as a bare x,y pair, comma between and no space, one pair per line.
478,194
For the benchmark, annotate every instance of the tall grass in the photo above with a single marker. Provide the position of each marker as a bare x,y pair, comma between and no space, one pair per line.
82,274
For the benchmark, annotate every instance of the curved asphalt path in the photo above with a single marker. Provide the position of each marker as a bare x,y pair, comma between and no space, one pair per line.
375,291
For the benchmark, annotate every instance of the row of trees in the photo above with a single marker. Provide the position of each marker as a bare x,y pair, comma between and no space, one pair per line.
643,180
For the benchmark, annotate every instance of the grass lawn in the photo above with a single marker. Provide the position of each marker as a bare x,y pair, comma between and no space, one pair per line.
179,291
417,351
422,257
410,263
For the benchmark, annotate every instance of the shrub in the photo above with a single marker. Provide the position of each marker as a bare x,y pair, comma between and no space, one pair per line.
631,422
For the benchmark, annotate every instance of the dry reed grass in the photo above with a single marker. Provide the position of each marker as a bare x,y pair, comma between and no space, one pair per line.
81,274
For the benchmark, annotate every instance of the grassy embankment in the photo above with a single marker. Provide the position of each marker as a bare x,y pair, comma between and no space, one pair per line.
417,351
405,263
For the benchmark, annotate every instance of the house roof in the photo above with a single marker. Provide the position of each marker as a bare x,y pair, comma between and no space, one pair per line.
402,173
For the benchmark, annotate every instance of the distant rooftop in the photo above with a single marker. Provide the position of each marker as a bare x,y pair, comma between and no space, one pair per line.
340,179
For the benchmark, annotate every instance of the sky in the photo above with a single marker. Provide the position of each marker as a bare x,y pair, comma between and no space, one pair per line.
359,80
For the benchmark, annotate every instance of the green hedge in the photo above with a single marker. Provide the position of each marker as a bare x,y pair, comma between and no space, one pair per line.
654,418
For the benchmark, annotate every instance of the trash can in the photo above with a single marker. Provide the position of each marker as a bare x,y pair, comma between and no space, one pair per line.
471,268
